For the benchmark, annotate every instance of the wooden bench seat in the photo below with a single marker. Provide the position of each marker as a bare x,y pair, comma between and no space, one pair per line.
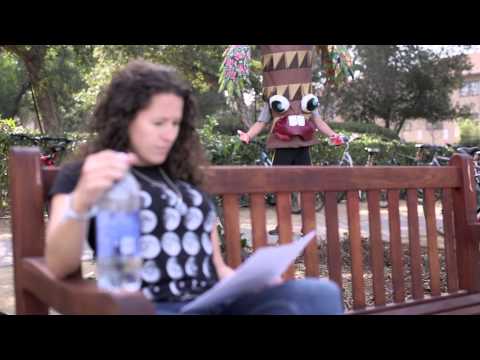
36,290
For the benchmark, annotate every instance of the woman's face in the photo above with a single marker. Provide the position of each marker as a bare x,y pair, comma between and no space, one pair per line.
155,129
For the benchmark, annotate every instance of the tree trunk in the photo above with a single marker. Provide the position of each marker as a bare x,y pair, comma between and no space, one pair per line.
34,60
18,99
387,123
399,126
244,112
328,66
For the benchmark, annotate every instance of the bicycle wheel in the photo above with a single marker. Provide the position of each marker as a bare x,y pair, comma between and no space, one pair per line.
270,199
420,197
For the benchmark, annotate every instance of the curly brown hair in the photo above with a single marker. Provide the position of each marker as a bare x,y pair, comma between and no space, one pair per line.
131,91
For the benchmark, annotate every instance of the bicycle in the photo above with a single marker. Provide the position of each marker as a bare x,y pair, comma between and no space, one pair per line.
422,159
371,161
345,160
50,153
264,160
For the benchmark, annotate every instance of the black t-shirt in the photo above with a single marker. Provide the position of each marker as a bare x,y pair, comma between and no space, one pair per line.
176,243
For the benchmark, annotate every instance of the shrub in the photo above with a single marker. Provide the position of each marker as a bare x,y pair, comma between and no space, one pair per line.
469,133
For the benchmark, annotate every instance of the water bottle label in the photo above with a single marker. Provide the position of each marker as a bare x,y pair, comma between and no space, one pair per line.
118,234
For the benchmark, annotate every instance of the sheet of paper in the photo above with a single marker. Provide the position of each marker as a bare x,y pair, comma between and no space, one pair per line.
260,270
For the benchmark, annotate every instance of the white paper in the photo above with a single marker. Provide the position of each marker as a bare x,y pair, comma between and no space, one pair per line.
260,270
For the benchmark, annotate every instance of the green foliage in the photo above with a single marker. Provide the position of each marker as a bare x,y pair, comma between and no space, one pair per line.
9,127
364,128
469,132
224,149
400,82
66,71
12,77
326,153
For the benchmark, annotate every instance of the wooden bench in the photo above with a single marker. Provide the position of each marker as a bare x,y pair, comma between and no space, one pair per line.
37,290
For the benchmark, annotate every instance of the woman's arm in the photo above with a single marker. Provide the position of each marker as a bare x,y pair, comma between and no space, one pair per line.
223,270
65,237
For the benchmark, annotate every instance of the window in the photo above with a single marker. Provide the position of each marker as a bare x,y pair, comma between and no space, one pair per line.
470,88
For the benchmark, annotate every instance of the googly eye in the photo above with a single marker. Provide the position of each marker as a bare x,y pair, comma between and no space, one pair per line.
279,103
310,103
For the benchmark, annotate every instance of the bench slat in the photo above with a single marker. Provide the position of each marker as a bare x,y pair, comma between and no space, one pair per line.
376,246
436,305
429,306
467,310
414,244
334,258
396,250
251,179
231,213
309,222
258,218
358,286
432,246
449,241
284,220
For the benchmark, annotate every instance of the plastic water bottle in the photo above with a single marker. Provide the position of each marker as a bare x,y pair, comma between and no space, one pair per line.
119,258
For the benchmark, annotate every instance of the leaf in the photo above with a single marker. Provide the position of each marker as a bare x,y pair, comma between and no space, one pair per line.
230,87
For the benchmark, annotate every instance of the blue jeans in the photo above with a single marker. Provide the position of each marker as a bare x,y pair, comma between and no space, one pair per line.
296,297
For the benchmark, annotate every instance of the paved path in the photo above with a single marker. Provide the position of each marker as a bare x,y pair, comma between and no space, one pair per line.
246,228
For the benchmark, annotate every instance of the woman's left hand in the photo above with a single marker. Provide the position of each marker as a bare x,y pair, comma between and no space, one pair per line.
225,271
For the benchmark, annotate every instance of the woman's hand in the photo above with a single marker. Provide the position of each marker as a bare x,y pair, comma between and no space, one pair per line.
99,173
224,272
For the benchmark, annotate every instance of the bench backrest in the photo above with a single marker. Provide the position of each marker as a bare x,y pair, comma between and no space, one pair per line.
29,185
458,203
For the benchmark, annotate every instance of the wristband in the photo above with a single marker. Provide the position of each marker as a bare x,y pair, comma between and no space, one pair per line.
70,213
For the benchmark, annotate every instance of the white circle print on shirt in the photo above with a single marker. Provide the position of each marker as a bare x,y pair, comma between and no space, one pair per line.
174,270
148,220
174,288
206,267
209,221
207,243
171,218
150,272
150,246
171,244
193,218
191,243
146,199
195,196
147,293
191,268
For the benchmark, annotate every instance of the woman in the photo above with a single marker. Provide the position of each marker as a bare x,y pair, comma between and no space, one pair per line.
145,123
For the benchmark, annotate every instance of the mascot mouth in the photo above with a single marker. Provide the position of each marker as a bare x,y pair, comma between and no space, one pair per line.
294,125
294,120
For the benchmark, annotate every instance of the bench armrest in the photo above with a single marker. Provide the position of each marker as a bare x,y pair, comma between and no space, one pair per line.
78,296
